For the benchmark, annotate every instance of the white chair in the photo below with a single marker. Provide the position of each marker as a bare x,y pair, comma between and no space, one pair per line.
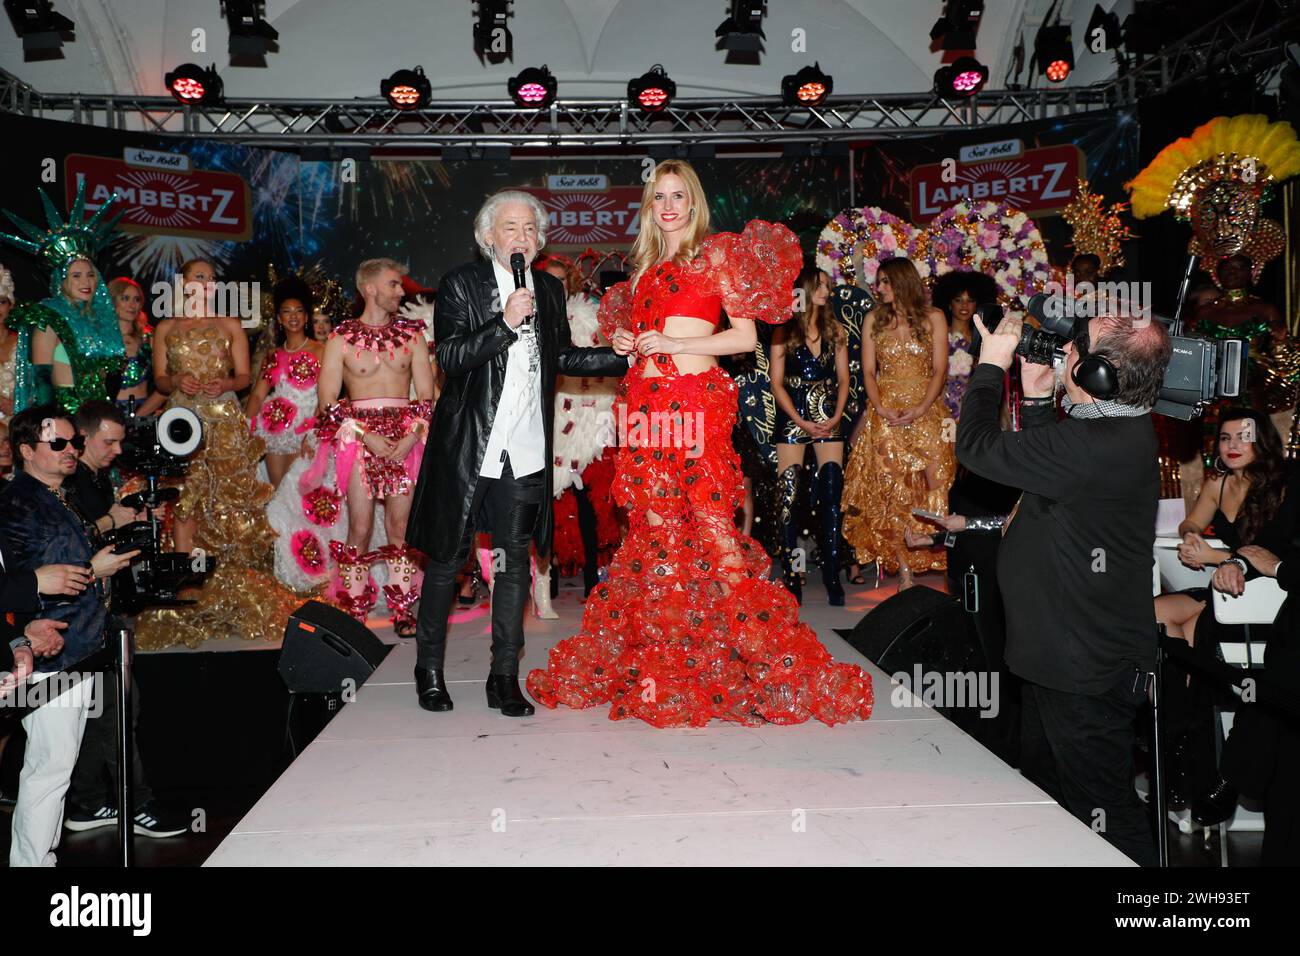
1258,604
1174,575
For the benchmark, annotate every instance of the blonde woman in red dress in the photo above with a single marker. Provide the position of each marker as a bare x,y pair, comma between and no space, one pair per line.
688,627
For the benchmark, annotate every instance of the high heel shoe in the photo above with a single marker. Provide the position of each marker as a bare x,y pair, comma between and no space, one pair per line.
542,595
431,686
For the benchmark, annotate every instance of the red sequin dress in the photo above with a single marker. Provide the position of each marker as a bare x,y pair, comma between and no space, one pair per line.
687,628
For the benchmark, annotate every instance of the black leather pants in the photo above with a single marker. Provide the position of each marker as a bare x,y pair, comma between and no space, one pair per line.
508,507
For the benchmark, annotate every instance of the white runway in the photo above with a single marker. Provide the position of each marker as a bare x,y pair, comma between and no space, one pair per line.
389,784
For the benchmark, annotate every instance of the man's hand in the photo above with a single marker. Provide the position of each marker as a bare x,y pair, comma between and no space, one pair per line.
519,306
1261,559
105,563
24,664
624,341
121,515
1229,579
1037,381
378,445
999,346
45,637
402,447
61,579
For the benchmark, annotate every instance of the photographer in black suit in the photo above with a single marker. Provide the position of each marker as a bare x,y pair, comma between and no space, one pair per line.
1075,562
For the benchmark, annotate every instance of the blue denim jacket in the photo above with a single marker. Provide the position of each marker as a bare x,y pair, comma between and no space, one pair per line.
39,529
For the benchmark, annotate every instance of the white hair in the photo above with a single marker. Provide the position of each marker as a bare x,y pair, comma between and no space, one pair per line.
487,215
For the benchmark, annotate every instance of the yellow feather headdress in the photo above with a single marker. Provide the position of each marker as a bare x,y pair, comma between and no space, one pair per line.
1216,179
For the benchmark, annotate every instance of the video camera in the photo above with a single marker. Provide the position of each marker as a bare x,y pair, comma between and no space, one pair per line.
1200,370
156,448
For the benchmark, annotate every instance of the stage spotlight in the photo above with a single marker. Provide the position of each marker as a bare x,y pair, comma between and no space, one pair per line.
1147,28
533,87
965,76
958,25
407,89
493,42
194,85
652,91
741,34
1103,34
809,87
43,31
251,37
1054,51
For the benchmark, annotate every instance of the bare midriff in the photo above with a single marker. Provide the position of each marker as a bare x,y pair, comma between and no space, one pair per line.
685,327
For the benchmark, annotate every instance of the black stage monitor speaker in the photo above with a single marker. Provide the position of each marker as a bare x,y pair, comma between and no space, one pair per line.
918,626
323,647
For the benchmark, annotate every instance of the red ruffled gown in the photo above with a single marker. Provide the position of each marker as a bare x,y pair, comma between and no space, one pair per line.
687,627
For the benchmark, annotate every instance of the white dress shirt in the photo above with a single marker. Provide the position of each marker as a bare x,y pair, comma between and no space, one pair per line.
517,429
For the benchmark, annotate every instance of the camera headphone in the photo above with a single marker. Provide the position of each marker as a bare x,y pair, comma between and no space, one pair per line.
1095,374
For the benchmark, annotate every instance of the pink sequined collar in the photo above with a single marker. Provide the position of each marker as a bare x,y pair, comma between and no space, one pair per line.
376,338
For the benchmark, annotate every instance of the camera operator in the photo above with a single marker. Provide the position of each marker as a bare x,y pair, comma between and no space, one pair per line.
90,488
1075,563
90,802
39,527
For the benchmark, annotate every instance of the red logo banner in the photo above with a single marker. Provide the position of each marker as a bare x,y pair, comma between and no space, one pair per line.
1038,182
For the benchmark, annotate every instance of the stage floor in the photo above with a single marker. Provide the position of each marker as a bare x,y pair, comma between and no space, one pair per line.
389,784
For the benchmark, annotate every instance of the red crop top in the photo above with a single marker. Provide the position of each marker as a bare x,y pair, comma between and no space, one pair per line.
751,275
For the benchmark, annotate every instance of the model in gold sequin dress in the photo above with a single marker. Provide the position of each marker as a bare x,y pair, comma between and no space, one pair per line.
886,476
227,503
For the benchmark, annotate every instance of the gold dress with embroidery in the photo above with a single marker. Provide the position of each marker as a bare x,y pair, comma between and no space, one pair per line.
221,493
885,477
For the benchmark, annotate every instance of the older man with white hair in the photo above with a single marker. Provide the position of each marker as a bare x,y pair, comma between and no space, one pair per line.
502,337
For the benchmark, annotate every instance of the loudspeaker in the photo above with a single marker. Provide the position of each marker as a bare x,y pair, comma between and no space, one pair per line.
323,647
918,626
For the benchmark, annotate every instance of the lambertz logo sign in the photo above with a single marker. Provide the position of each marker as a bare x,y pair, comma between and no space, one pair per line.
586,212
1039,182
162,194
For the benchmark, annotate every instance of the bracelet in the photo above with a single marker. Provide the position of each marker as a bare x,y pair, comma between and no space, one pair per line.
1038,402
1239,562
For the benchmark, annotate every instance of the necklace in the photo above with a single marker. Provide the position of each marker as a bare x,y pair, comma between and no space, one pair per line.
1237,295
394,334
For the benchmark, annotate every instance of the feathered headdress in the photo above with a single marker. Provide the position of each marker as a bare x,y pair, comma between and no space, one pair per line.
1216,179
1097,228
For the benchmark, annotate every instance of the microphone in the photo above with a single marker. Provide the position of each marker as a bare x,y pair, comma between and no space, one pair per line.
519,266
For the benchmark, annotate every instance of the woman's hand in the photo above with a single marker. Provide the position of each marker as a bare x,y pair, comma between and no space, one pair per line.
1192,551
908,415
1261,559
189,384
624,341
218,386
656,343
915,539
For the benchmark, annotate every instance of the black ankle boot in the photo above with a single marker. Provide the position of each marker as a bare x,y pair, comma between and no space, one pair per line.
503,694
828,488
431,686
1215,805
787,490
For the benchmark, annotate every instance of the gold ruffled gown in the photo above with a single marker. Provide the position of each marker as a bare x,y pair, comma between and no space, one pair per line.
242,597
885,477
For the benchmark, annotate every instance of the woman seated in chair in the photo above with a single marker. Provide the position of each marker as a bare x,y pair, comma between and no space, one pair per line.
1239,501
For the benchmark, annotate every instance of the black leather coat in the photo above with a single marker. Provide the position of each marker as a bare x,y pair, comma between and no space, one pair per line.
472,340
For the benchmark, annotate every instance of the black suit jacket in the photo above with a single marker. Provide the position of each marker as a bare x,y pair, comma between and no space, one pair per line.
471,344
18,597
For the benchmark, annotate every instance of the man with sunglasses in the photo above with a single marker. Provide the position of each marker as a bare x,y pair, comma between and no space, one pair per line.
40,527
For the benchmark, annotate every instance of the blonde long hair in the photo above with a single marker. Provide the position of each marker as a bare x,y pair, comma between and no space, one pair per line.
650,247
909,300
